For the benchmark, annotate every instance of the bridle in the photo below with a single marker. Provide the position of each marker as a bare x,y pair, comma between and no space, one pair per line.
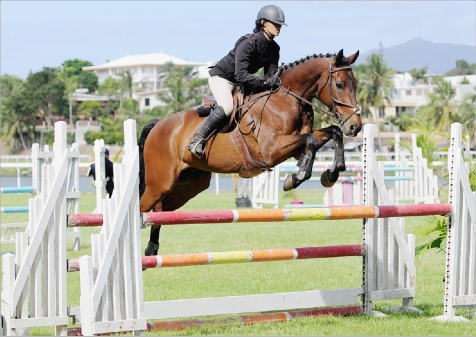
338,118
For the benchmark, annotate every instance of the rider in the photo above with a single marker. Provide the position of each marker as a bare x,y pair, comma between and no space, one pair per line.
251,52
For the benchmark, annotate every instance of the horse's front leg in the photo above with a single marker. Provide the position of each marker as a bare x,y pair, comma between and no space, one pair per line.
329,177
305,164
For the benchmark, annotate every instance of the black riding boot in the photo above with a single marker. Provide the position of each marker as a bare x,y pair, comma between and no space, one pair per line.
215,121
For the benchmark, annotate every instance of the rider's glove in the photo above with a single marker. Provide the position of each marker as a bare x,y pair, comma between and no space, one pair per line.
272,82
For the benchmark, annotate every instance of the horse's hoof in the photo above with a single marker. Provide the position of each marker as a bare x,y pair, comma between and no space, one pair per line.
150,249
289,183
325,181
340,167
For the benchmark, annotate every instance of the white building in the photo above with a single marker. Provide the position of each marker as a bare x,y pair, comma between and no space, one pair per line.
409,95
146,74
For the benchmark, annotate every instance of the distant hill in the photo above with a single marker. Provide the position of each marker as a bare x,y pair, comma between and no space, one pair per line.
417,53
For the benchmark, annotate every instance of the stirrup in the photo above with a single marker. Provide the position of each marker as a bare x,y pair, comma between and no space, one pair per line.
197,147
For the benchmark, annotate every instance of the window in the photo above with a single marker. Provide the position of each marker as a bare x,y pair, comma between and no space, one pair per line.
147,101
409,92
397,111
381,112
418,92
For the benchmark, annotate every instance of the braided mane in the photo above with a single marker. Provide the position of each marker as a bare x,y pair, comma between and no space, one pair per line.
304,59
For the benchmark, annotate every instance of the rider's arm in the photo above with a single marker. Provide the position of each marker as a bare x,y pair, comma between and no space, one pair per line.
242,61
272,67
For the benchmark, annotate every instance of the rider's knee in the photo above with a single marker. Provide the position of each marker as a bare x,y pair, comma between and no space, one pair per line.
227,108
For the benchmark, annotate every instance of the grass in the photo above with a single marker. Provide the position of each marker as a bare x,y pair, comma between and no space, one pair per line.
270,277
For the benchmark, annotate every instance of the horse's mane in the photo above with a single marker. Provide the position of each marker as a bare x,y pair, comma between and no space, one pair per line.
304,59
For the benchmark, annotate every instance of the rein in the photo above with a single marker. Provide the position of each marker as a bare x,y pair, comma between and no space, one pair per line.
338,118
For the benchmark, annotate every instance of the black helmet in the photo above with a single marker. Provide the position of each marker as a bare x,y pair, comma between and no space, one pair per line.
272,13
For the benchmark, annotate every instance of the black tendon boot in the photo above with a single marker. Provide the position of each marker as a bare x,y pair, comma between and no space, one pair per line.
214,122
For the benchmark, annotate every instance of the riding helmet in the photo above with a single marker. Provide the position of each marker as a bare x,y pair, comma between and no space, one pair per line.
272,13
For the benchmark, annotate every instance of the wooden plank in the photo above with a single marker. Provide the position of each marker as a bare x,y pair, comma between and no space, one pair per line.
250,303
381,295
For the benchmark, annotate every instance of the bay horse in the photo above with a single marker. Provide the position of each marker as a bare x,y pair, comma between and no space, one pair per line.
271,127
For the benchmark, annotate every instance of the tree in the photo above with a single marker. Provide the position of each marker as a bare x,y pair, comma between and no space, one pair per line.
441,109
16,121
462,68
467,115
72,71
375,86
183,90
45,95
91,108
419,75
118,88
126,84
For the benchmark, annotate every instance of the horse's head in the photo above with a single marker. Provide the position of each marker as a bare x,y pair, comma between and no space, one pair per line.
339,93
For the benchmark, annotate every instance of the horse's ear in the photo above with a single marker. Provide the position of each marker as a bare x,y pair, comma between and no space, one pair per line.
340,59
353,58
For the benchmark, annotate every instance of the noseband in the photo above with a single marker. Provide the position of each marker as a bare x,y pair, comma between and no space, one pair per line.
338,118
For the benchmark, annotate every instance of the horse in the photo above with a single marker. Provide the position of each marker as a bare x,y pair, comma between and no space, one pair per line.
271,126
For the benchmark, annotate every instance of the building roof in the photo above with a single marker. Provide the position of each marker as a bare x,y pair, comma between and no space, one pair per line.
143,60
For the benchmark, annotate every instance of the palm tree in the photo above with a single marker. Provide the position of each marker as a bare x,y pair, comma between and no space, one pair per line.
441,109
126,84
184,90
375,86
467,115
13,113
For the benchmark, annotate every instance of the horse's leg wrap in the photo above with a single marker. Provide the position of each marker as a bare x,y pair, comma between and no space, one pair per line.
305,165
152,249
329,177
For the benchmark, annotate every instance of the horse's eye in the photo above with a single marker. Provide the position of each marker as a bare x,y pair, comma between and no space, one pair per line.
339,85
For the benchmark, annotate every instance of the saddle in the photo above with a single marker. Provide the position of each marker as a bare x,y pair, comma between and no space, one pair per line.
210,103
251,166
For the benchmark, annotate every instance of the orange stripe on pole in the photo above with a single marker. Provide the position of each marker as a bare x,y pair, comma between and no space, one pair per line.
352,212
181,260
260,215
272,255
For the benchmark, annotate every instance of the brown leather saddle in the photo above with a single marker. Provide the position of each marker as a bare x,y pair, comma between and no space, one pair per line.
252,166
210,103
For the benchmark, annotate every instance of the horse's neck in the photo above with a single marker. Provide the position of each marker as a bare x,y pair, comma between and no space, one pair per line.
305,78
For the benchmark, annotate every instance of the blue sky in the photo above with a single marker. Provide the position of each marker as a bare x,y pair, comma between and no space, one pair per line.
35,34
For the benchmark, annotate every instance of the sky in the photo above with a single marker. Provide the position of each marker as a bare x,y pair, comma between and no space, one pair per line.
37,34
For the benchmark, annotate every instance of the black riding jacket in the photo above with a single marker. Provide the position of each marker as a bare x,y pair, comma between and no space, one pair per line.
251,53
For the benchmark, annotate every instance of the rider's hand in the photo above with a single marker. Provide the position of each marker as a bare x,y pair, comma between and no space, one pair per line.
272,82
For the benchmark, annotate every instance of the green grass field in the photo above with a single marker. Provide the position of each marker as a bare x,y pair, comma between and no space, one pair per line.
270,277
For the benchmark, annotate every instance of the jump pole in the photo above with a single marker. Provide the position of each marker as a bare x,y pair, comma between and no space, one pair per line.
271,215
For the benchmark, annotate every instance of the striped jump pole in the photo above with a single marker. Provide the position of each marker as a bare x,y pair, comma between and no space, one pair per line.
240,320
199,259
272,215
23,189
14,209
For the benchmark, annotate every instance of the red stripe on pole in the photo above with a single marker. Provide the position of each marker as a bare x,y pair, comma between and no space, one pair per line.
84,220
149,262
331,251
187,217
413,210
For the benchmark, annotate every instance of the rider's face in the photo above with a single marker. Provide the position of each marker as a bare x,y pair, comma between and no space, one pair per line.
272,28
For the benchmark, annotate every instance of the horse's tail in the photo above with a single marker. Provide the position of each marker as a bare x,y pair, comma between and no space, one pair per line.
143,136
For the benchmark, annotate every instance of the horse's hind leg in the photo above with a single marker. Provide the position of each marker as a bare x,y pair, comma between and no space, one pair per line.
190,183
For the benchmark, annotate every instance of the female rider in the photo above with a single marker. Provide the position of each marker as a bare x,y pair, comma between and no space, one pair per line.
251,52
